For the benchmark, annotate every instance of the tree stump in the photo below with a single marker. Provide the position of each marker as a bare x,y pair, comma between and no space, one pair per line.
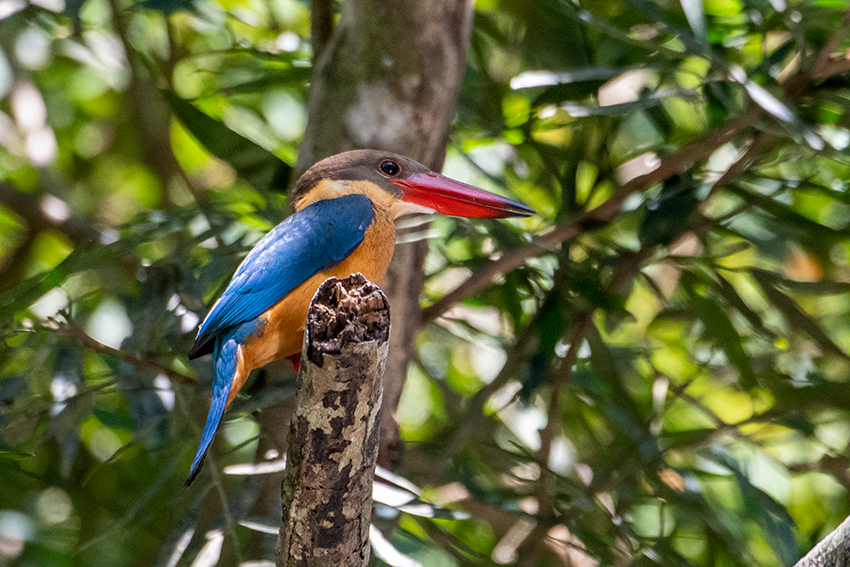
333,438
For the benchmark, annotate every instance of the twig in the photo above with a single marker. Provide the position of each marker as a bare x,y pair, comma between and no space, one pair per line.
168,74
670,165
70,329
826,65
560,378
757,147
475,410
217,483
834,67
173,58
546,485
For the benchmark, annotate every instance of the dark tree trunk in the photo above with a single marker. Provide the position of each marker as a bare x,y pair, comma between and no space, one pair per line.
389,79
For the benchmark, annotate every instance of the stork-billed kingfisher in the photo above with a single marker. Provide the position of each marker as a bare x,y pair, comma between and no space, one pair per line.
345,206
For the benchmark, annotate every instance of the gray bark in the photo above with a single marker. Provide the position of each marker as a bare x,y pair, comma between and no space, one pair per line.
832,551
333,439
389,79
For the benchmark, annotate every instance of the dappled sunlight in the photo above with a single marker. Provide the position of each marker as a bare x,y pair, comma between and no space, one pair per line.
652,369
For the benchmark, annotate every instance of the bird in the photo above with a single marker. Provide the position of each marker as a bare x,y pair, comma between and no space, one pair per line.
345,206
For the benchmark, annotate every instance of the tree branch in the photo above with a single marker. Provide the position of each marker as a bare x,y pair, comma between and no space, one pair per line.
594,218
675,163
333,438
70,329
832,551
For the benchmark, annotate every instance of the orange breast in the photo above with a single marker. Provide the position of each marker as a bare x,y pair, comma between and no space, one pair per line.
284,330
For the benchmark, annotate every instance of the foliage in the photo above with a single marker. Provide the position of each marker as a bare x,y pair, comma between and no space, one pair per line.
659,378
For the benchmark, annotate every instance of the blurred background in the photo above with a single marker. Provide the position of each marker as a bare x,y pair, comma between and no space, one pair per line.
661,381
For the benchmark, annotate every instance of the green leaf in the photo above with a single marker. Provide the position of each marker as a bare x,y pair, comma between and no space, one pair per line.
511,299
772,105
575,84
253,163
168,7
762,508
530,79
79,260
795,315
622,408
813,233
728,291
720,328
819,287
14,455
688,437
290,77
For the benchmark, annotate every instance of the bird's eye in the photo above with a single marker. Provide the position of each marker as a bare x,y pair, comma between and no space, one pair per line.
390,168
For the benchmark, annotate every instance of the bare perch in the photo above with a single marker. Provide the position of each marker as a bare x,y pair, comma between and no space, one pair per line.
333,438
832,551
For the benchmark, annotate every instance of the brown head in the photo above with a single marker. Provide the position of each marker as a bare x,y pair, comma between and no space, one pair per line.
399,184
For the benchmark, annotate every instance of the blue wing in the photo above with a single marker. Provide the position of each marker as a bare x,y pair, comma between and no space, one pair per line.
315,238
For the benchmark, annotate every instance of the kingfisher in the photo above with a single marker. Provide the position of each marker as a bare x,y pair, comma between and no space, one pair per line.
345,206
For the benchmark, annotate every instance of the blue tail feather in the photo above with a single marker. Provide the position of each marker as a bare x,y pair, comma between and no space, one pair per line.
226,356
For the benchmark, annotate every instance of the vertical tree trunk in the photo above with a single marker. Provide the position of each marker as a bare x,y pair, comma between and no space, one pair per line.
389,79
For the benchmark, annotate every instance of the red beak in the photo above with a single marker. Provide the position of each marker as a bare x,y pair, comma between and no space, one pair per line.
450,197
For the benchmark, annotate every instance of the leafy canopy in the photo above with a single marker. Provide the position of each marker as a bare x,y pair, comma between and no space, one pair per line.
658,375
